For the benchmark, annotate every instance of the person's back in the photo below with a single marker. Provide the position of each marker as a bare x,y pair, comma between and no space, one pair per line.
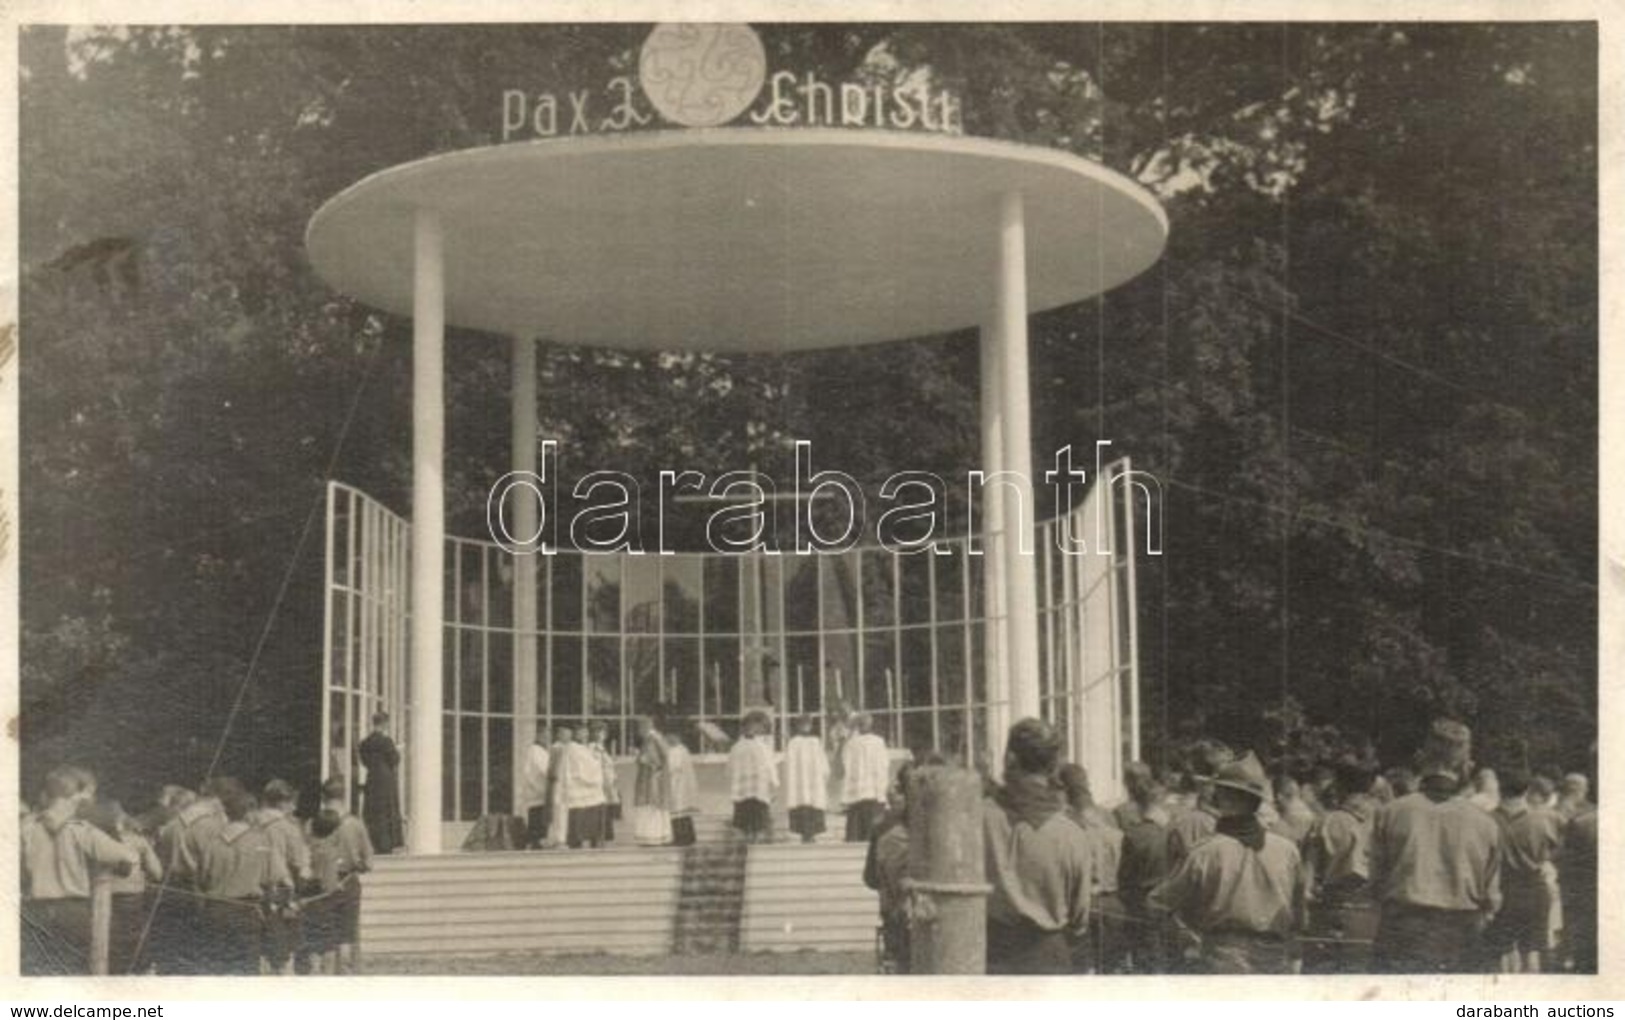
283,830
806,781
239,862
1105,838
1038,862
1435,872
348,853
534,790
62,854
685,796
183,835
1573,794
1227,887
583,776
1106,850
1578,864
867,771
1241,889
238,865
1189,830
752,778
1338,849
1531,838
1442,854
750,769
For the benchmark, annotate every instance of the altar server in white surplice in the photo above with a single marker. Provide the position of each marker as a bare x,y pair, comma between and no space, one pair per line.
866,770
806,781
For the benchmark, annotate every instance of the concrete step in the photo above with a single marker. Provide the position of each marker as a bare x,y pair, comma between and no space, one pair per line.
780,897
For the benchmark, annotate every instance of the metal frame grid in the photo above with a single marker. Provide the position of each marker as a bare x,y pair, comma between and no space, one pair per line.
897,635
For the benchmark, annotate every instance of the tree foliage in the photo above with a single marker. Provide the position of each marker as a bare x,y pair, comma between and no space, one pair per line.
1365,369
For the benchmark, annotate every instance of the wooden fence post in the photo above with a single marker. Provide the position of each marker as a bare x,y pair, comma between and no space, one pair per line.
947,877
101,923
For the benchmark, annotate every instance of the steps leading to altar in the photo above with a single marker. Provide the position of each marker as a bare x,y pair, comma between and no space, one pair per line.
631,900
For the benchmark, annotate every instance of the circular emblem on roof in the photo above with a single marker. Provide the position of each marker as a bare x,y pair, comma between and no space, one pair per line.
702,75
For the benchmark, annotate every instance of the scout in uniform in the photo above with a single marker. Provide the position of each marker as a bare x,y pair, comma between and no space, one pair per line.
340,852
1241,890
1337,853
535,791
1531,840
1039,862
1435,865
1143,866
865,778
238,865
885,870
132,903
806,781
1104,951
61,855
282,925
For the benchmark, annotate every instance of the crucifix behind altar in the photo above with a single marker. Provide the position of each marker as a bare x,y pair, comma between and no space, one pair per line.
765,681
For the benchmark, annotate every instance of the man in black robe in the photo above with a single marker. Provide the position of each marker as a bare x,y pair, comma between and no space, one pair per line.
381,809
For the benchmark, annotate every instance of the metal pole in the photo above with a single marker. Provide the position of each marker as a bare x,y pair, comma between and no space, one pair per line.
996,691
327,645
947,881
428,534
1133,615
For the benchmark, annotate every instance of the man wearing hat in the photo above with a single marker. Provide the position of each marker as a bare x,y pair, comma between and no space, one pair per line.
1242,890
1435,865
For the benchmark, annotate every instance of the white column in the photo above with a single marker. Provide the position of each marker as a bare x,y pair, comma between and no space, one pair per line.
423,764
525,566
1020,560
994,663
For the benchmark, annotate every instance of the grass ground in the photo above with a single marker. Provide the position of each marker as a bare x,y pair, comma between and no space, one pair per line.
605,964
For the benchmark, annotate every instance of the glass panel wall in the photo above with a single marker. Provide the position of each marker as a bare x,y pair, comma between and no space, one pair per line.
707,637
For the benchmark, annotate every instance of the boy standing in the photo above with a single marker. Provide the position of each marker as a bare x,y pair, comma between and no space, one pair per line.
806,781
752,778
1242,889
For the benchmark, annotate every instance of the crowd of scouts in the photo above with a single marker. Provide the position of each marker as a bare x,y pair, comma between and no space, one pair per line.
216,881
1218,868
1213,866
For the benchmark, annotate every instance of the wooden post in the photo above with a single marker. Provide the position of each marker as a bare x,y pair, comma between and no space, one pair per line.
101,924
946,868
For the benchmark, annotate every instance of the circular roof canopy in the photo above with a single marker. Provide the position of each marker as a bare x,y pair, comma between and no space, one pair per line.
736,239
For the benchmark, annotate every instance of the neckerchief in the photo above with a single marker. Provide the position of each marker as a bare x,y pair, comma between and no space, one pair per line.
1028,798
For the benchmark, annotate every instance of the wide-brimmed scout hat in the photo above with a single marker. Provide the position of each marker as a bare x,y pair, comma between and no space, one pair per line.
1245,774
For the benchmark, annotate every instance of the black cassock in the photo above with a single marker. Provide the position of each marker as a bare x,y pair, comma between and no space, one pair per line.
381,807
